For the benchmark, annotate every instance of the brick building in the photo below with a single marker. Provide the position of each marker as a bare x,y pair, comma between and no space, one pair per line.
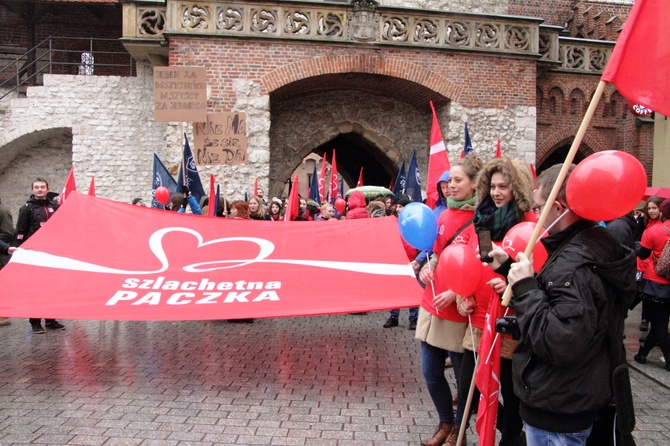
313,76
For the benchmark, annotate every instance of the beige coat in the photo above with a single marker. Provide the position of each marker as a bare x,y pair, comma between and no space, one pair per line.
440,333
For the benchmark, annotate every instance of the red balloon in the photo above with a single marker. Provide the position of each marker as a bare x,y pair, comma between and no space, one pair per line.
606,185
459,269
162,195
340,205
516,240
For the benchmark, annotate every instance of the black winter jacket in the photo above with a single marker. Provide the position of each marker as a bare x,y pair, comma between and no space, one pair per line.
33,215
566,318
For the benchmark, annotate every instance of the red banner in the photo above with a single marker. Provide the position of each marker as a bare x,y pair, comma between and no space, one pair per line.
101,259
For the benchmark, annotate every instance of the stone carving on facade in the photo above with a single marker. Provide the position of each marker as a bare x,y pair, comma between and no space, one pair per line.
151,21
297,22
330,24
363,21
229,19
263,20
457,33
195,17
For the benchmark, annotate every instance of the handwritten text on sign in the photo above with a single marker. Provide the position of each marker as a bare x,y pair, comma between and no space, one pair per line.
180,94
221,140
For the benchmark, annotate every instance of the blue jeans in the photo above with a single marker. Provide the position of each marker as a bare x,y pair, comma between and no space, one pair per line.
413,313
432,366
539,437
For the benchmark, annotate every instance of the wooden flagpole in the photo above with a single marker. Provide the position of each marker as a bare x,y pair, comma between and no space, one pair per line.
579,137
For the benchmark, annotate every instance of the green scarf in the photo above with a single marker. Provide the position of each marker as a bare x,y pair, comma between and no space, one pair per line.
498,220
453,204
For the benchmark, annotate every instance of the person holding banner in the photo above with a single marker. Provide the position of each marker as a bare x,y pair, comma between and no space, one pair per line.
505,198
440,327
39,208
570,319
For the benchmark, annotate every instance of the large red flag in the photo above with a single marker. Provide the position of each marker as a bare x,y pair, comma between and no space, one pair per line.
322,180
173,266
359,183
487,377
334,189
211,207
438,162
640,63
293,205
70,185
498,150
91,187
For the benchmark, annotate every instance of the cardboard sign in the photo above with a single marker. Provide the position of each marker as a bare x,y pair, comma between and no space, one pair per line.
221,140
180,94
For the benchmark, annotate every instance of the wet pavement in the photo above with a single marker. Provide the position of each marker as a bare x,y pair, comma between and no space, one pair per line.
331,380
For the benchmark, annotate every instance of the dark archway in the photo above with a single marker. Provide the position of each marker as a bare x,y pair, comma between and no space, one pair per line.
558,156
353,152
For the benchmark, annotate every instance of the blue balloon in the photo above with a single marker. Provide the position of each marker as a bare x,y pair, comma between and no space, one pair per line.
418,225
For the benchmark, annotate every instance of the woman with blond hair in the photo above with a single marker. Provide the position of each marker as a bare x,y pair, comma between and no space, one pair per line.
256,209
440,327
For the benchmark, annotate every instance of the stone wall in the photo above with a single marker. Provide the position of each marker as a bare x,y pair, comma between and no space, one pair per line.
101,124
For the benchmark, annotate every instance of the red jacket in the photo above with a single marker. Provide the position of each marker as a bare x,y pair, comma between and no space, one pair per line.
356,206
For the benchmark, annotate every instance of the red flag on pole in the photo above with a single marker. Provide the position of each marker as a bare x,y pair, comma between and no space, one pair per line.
639,66
256,187
322,180
438,161
70,185
487,377
359,183
211,207
91,187
293,205
532,170
498,150
334,189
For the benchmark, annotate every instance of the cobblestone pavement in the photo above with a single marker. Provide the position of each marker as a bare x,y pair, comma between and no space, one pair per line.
331,380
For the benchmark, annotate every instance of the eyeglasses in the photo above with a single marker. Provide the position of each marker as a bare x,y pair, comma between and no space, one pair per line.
538,208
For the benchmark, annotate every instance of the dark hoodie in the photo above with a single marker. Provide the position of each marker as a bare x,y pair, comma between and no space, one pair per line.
570,315
33,214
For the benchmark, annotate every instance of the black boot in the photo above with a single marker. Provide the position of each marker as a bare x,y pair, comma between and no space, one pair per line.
640,358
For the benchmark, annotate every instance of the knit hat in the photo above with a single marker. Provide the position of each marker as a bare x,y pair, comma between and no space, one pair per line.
665,208
404,200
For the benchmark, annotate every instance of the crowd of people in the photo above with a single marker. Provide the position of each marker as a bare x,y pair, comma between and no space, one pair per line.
558,366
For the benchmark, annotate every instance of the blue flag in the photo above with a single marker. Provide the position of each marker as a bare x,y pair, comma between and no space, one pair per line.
192,178
413,185
401,181
341,192
216,204
161,177
314,186
467,146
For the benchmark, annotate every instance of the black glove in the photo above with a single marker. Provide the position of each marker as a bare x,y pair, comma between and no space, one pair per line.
184,202
185,191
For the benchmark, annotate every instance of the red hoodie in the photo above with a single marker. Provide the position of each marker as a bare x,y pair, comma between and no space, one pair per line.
356,206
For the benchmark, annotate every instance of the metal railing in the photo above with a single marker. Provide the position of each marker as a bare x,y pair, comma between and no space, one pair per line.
66,55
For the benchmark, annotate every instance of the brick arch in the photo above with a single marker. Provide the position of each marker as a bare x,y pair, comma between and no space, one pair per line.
360,64
557,139
322,136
